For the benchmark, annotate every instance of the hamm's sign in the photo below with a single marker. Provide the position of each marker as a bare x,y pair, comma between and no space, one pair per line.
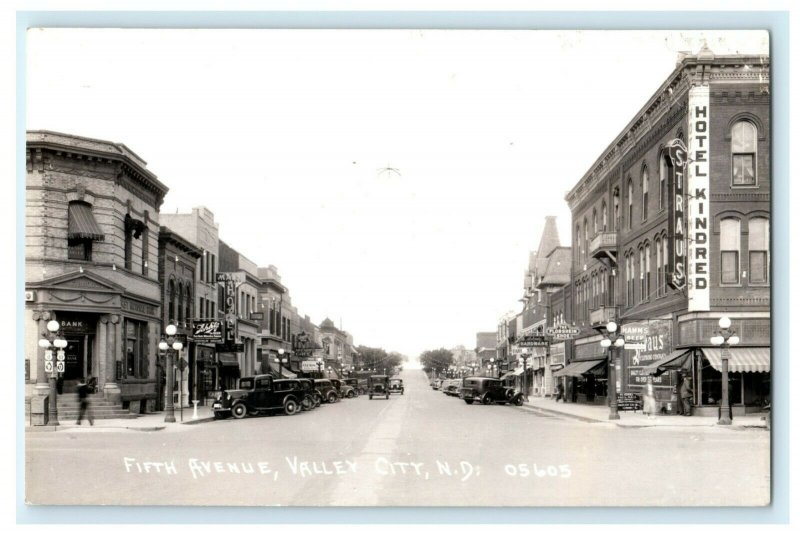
698,201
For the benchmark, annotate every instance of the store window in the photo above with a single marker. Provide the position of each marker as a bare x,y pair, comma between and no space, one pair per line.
136,364
758,247
729,250
743,153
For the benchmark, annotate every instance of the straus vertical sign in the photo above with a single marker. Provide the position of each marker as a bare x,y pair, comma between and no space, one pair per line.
676,224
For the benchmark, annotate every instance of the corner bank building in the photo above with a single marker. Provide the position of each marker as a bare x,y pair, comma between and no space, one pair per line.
91,263
665,247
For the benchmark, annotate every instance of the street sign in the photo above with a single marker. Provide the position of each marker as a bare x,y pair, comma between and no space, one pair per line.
48,366
562,332
61,356
60,367
48,356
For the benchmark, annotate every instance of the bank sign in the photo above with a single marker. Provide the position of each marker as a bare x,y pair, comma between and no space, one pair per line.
698,202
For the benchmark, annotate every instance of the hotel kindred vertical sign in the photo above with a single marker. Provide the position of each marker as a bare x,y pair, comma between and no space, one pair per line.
676,223
698,182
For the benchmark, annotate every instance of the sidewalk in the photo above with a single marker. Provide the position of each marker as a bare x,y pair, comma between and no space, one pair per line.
599,414
145,422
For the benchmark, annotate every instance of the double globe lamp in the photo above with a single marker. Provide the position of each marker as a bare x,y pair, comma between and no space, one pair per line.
53,340
612,338
170,346
725,338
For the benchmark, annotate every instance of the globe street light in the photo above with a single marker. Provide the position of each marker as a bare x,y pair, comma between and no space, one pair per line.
48,340
319,366
523,359
169,346
281,360
612,338
491,367
725,337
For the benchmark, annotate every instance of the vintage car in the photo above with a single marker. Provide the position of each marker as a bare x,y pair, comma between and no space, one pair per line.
489,391
343,389
327,390
452,388
354,384
378,386
260,394
312,397
436,384
396,385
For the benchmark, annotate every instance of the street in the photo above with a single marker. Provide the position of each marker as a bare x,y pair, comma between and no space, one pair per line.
421,448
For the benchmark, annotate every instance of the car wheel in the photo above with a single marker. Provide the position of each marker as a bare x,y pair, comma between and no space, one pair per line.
239,411
468,401
290,407
350,394
487,400
331,397
387,395
518,401
307,403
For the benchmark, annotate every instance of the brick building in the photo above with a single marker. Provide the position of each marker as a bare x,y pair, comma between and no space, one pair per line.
666,255
91,263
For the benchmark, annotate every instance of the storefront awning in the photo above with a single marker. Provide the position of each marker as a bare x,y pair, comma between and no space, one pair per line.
741,359
82,224
676,360
279,371
228,359
580,368
511,374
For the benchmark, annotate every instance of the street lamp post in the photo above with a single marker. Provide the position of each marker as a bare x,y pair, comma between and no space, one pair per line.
170,346
523,359
491,367
612,339
725,337
48,340
319,367
281,360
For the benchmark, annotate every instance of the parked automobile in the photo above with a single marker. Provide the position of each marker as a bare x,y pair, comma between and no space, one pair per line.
396,385
312,398
343,389
436,384
354,384
378,386
327,390
453,387
260,394
489,391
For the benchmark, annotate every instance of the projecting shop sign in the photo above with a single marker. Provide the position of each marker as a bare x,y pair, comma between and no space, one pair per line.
699,145
676,223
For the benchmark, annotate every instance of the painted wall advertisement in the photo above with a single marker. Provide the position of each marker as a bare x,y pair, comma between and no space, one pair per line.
699,209
645,343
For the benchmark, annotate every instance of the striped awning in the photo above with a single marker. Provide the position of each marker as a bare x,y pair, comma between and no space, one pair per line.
580,368
81,224
228,359
281,371
740,359
674,361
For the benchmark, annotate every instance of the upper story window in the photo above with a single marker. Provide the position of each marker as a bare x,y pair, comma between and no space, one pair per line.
577,242
616,210
585,239
645,192
630,203
188,302
743,154
594,221
82,231
758,247
604,217
729,239
171,302
133,231
663,170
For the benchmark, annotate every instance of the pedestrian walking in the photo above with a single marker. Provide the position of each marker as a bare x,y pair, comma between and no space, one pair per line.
686,393
83,397
560,393
649,399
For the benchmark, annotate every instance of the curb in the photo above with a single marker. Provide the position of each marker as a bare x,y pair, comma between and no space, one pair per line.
533,408
199,421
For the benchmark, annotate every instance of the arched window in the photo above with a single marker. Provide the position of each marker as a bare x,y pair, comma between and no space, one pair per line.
665,260
642,289
630,203
645,192
758,247
179,305
647,283
171,301
663,171
729,239
743,153
585,239
594,221
188,302
604,216
659,269
577,243
617,226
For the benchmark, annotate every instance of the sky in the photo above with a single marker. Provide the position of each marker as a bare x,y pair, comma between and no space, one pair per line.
397,179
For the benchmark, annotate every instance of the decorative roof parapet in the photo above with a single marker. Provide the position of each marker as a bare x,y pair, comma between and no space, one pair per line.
729,68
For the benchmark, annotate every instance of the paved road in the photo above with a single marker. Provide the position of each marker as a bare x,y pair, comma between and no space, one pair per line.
423,448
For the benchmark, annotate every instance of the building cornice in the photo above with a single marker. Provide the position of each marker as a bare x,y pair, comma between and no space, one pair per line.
693,70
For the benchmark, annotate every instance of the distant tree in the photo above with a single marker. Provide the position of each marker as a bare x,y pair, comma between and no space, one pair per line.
436,359
378,358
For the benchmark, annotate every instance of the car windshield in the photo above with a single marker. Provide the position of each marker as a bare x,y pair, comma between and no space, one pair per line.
246,383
